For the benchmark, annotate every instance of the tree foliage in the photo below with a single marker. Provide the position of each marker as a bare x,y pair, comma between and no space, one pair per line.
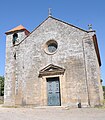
104,91
1,86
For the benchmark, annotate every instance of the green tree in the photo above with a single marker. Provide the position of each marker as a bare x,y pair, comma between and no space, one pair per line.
1,86
104,91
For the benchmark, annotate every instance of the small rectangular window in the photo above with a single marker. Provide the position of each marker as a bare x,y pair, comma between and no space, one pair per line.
15,56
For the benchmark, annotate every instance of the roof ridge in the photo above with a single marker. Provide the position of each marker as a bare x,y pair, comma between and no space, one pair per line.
57,20
71,24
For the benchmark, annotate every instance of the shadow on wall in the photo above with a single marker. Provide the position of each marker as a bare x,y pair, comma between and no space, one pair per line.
1,99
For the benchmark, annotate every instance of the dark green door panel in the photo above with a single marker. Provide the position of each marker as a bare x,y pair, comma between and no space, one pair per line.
53,90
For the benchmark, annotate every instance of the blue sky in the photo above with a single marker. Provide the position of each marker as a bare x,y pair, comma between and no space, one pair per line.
30,13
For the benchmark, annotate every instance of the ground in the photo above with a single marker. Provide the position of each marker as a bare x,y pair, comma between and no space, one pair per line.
52,113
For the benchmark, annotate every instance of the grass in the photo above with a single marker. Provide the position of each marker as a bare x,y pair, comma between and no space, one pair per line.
101,106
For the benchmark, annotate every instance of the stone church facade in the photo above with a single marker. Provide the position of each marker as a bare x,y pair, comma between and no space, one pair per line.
57,64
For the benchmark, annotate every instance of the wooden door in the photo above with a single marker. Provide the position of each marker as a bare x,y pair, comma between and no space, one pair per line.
53,91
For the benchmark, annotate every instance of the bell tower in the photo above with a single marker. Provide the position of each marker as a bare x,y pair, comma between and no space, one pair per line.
13,38
16,35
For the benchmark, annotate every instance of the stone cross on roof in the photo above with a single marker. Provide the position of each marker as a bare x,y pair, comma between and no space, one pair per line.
49,12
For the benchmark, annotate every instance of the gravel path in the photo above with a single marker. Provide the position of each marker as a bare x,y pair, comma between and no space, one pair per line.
51,114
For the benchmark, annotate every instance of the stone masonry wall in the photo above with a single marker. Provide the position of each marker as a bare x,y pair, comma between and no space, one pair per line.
75,53
11,69
69,56
93,72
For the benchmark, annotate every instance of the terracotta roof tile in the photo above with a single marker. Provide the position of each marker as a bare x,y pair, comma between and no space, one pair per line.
20,27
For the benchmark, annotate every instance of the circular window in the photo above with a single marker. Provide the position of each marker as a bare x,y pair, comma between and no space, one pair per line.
51,47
